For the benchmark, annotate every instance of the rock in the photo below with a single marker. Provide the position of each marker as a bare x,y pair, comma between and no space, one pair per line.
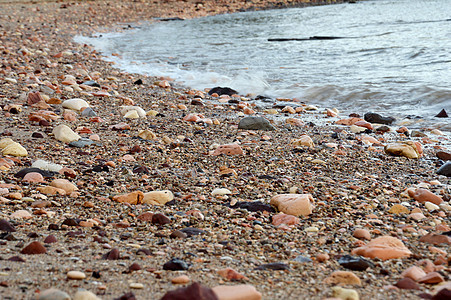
349,121
442,114
64,134
76,275
191,231
21,214
178,234
444,294
6,226
50,190
85,295
414,273
158,197
33,177
14,149
193,292
175,264
75,104
222,91
146,217
284,219
50,239
431,206
22,173
88,112
183,279
132,112
254,206
136,285
112,255
160,219
147,135
376,118
65,185
231,274
431,278
398,209
407,284
273,266
322,257
304,140
127,296
343,277
436,239
384,247
407,149
82,142
445,169
345,294
221,192
423,195
302,259
446,156
135,197
417,216
34,248
46,166
228,149
53,294
237,292
362,234
255,123
293,204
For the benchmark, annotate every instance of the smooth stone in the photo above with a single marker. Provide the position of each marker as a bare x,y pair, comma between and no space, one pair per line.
431,278
362,234
147,135
237,292
423,195
175,264
82,142
21,214
53,294
355,263
91,83
445,169
282,218
46,166
442,114
5,142
431,206
22,173
228,149
160,219
34,248
183,279
64,134
75,104
136,285
343,277
15,149
302,259
273,266
222,91
255,123
414,273
65,185
254,206
195,291
85,295
407,284
112,255
178,234
345,294
384,247
221,192
6,226
398,209
76,275
436,239
407,149
293,204
133,112
135,197
88,112
304,140
191,231
443,155
378,119
158,197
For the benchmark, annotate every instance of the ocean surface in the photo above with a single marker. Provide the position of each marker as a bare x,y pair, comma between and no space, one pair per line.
392,57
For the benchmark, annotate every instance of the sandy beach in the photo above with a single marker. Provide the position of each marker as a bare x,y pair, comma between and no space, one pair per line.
124,186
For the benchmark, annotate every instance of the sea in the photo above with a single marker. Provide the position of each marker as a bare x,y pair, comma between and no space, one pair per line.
391,57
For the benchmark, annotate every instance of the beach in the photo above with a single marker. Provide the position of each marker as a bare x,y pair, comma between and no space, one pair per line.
143,186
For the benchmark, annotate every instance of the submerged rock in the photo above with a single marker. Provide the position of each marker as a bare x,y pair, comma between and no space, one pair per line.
377,118
442,114
222,91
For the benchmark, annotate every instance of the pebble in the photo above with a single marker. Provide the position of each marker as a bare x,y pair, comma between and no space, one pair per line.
9,147
135,197
85,295
293,204
407,284
34,248
345,294
64,134
6,226
175,264
378,119
362,234
193,291
282,218
355,263
384,247
237,292
64,184
445,169
273,266
228,149
53,294
231,274
343,277
135,285
158,197
304,140
398,209
423,195
76,275
431,206
431,278
74,104
221,192
255,123
183,279
407,149
414,273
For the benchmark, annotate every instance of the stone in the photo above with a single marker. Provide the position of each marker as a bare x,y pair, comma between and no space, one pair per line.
446,156
146,217
182,279
282,218
160,219
228,149
64,134
231,274
304,140
407,149
377,118
112,255
195,291
343,277
15,149
83,142
442,114
65,185
74,104
221,192
436,239
222,91
158,197
384,248
53,294
88,112
147,135
254,206
50,239
85,295
33,177
50,190
76,275
302,259
293,204
237,292
398,209
414,273
345,294
445,169
46,166
417,216
273,266
362,234
175,264
407,284
135,197
21,214
255,123
191,231
348,122
6,226
178,234
423,195
34,248
137,112
431,206
431,278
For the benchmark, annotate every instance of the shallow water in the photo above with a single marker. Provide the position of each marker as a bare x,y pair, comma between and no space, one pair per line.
393,57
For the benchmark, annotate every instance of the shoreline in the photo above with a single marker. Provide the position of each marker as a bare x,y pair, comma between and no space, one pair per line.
355,185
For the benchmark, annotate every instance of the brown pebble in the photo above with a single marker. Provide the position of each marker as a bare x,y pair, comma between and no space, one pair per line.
50,239
362,234
34,248
407,284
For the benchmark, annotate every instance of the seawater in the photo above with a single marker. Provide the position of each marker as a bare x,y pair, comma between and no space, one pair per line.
393,56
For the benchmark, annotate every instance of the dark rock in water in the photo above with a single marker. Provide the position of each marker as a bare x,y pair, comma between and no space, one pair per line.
254,206
355,263
25,171
255,123
442,114
171,19
263,98
190,231
222,91
138,82
302,259
88,112
273,266
6,226
112,255
193,292
443,294
416,133
376,118
91,83
445,170
407,284
175,264
83,142
443,155
280,105
354,115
